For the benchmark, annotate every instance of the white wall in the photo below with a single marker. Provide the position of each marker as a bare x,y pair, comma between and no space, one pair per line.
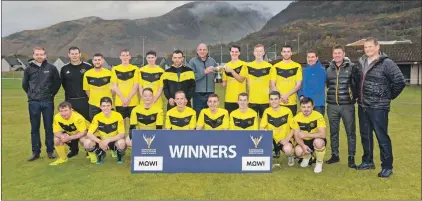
59,64
5,66
414,74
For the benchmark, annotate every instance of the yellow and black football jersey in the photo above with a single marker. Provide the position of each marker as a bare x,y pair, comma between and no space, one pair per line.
234,87
280,122
259,82
146,119
309,124
150,77
209,121
75,124
125,77
178,79
107,126
286,75
185,120
98,83
244,121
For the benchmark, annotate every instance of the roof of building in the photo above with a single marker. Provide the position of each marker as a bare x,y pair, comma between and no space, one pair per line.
112,61
11,60
392,42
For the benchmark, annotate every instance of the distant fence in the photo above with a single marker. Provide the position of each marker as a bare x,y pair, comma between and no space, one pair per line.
12,75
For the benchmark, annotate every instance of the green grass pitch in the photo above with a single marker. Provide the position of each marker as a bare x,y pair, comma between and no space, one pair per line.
79,179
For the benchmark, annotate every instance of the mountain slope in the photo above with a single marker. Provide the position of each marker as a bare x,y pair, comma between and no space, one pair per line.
184,27
323,24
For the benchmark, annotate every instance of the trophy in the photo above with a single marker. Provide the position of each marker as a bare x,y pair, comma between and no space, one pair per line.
219,70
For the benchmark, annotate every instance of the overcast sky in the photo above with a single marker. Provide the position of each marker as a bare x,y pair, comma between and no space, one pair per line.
27,15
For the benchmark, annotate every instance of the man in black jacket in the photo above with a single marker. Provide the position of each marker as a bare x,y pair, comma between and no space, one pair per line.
341,98
41,82
380,82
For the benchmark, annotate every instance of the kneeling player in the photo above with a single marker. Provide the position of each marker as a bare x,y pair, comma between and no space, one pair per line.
111,128
145,116
213,117
279,119
180,117
310,132
69,127
243,118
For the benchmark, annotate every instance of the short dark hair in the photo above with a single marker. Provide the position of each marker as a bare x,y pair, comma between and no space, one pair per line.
152,52
179,92
306,100
74,48
64,104
178,52
124,50
213,96
243,94
312,51
147,89
106,100
373,39
98,55
234,46
275,93
286,46
338,47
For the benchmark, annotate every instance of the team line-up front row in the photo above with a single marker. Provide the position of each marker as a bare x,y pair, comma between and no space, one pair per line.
298,136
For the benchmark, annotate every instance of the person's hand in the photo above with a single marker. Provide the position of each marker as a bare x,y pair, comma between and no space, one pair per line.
284,98
228,70
301,97
171,101
301,135
284,141
65,138
104,145
209,69
306,149
125,102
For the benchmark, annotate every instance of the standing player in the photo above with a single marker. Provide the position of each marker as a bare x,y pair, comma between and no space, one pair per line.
279,119
258,81
180,117
286,78
72,75
145,116
234,79
213,117
310,130
124,79
97,84
150,77
243,118
111,128
69,128
178,78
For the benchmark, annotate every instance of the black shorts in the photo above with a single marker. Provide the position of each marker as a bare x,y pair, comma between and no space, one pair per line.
81,106
111,145
93,110
259,108
278,146
310,143
124,111
230,107
292,108
73,145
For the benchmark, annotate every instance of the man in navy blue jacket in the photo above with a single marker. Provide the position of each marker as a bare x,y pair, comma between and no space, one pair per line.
313,84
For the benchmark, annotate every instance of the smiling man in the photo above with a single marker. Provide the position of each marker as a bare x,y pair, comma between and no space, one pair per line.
243,118
180,117
213,117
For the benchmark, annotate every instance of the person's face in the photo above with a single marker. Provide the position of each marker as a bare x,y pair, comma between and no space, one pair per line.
234,53
243,102
180,100
275,101
97,61
213,103
105,108
371,49
307,108
151,59
39,56
311,58
286,53
177,59
74,55
338,55
65,112
147,97
202,50
259,52
125,57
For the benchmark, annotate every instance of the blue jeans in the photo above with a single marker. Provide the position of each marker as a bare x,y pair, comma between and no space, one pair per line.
46,109
200,101
375,120
320,109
